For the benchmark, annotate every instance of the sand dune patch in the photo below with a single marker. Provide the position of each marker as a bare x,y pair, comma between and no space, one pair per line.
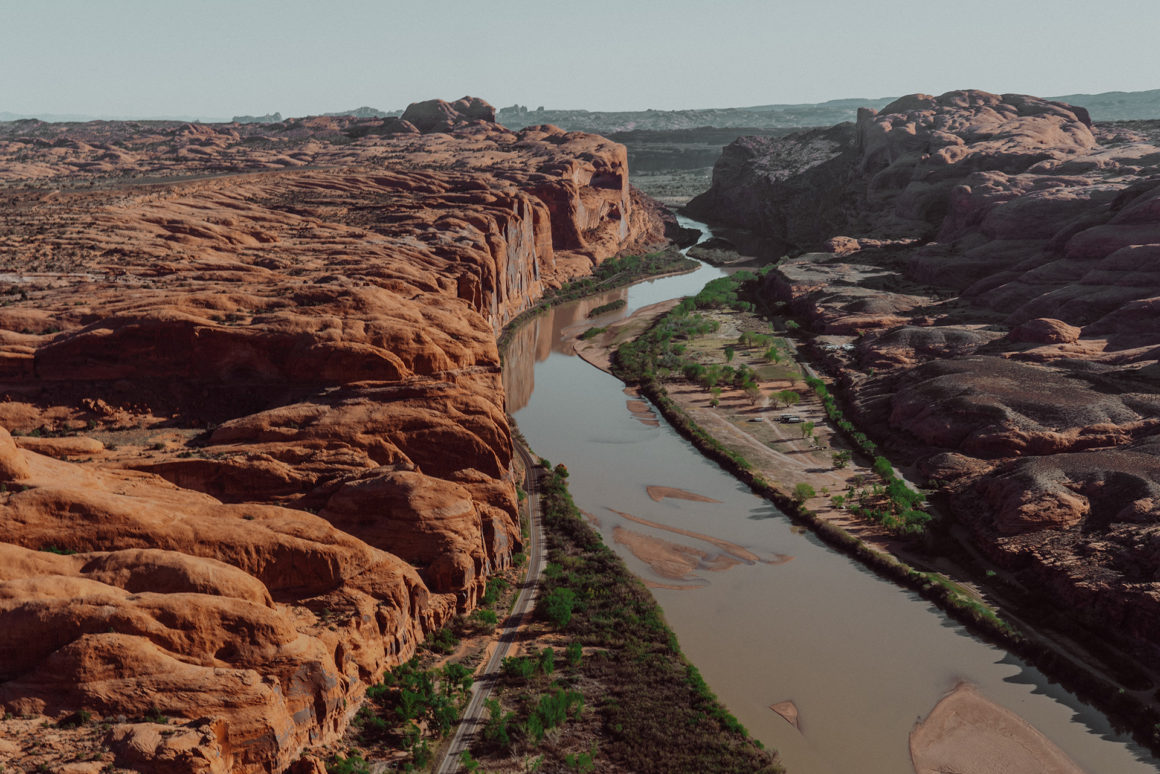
968,734
659,493
669,560
789,711
742,553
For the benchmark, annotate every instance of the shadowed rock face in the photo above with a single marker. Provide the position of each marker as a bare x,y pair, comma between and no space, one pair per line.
258,403
992,261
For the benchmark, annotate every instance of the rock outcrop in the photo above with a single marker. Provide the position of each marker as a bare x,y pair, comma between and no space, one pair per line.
261,444
989,288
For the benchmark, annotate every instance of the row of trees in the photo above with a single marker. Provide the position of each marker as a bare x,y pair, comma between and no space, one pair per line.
893,504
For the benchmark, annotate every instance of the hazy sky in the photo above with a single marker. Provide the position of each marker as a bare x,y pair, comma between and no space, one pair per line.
217,58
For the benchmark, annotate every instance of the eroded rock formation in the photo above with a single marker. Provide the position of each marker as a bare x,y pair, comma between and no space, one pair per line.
987,282
261,447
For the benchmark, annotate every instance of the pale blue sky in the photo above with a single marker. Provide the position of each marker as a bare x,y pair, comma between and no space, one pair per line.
213,58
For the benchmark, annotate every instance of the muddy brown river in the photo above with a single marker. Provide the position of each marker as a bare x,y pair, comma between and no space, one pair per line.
767,612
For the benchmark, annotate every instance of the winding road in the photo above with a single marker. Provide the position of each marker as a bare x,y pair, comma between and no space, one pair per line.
475,716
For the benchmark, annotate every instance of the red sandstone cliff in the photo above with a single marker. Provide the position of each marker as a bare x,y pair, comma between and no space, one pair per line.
990,261
252,375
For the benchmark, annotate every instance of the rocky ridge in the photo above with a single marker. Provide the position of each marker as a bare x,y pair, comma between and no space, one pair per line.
983,275
258,442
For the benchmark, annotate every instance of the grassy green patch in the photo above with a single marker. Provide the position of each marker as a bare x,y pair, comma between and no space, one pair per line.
611,306
591,333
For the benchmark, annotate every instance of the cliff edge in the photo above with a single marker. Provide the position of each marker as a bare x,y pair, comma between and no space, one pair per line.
255,442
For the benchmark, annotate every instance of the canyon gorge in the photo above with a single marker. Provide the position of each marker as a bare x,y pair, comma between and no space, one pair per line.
254,432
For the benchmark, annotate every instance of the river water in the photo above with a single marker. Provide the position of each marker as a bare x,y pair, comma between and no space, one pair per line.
861,659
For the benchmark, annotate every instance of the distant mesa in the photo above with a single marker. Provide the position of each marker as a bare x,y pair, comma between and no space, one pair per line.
364,112
269,118
1107,106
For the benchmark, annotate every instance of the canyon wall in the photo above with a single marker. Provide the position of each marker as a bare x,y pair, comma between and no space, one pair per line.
982,270
255,445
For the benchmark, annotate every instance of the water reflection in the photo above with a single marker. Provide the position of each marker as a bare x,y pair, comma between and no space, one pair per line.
546,334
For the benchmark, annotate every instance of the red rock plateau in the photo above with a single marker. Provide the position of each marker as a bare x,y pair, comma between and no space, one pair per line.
256,446
987,280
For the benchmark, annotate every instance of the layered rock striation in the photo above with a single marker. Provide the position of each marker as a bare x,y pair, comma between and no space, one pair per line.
258,444
985,276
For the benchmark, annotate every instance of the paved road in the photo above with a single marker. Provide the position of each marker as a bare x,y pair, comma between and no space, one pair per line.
475,716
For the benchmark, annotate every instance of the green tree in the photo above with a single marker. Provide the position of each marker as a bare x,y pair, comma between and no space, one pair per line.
517,666
557,605
547,661
841,458
442,714
485,619
789,397
534,728
574,653
803,492
807,429
729,353
457,677
497,729
410,705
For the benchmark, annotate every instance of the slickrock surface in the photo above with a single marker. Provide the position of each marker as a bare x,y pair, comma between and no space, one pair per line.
988,278
260,440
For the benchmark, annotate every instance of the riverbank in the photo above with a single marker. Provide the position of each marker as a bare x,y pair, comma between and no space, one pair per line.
600,647
770,436
743,435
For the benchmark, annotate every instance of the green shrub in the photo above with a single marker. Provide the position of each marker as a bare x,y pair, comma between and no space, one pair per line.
547,663
557,606
611,306
442,641
803,492
351,764
495,588
518,666
497,731
484,618
574,653
883,468
591,333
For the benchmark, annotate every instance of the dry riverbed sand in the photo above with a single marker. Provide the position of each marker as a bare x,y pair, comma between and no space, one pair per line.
967,733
